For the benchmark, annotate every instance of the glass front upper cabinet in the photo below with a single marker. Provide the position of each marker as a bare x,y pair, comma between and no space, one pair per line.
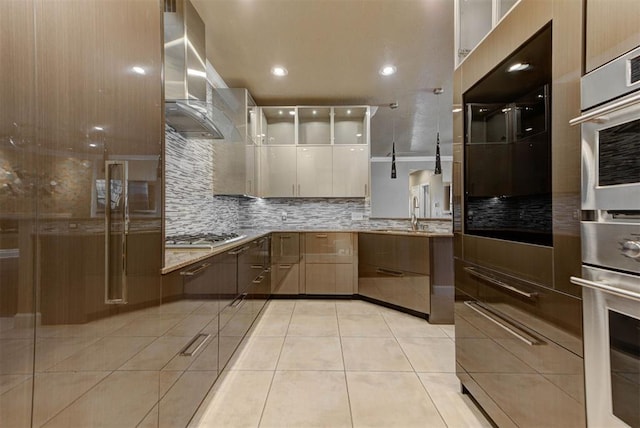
278,125
314,125
350,125
474,19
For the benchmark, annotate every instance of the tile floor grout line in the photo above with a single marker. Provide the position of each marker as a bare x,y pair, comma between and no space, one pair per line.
108,335
344,366
79,397
435,406
418,376
273,376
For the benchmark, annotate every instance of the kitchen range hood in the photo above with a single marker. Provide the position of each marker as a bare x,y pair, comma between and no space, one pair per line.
185,84
189,119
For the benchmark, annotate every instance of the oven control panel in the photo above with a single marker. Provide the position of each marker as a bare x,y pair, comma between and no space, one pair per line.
611,245
631,249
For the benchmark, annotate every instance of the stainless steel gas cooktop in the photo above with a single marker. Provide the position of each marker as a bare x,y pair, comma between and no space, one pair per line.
202,241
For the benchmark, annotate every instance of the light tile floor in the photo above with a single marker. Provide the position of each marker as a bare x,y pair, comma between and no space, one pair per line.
306,363
343,363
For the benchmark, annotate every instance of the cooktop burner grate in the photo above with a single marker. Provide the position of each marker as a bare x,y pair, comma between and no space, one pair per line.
202,240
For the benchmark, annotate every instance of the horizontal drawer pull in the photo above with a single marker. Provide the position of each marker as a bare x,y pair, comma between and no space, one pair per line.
258,279
196,270
236,302
285,237
390,272
284,266
322,235
194,345
472,271
606,288
241,250
257,267
488,314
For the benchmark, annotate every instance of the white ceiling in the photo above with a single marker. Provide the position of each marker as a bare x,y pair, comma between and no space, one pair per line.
333,50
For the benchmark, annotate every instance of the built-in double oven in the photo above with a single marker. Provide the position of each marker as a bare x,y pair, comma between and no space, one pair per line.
610,231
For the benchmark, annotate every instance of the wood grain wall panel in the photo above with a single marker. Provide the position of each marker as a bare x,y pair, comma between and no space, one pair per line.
87,58
611,30
516,28
566,141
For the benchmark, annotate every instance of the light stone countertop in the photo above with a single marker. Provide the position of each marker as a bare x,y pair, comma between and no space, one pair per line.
175,259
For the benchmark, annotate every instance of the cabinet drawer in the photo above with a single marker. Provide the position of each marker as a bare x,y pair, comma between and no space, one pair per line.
554,315
395,252
285,247
200,279
406,289
532,379
285,279
324,278
329,247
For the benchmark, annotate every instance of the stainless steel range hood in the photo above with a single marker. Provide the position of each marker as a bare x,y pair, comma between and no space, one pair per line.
185,85
189,119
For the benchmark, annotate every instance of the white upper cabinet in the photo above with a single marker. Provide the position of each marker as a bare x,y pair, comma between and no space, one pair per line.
278,125
308,151
314,125
350,171
351,125
278,171
314,171
233,156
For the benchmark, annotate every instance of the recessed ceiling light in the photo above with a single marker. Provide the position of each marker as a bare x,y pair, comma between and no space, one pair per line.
358,135
348,111
279,71
315,112
93,145
280,111
98,128
138,70
388,70
292,112
518,66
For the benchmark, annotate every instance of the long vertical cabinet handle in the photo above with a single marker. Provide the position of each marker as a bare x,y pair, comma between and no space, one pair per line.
121,202
366,190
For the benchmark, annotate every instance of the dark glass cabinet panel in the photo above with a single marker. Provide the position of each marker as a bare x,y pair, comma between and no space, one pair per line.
508,169
624,352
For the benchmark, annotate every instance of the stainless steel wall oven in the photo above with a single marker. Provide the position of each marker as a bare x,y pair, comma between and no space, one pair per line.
611,241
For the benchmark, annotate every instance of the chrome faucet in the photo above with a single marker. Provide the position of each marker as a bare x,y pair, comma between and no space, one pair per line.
414,219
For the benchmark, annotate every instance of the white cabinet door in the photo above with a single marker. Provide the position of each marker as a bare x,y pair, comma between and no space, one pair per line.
351,171
314,171
278,171
251,187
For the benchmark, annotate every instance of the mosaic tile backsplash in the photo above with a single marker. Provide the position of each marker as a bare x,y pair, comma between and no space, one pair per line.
527,213
190,206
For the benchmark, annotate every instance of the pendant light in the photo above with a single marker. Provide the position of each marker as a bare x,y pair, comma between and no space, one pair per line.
438,168
393,106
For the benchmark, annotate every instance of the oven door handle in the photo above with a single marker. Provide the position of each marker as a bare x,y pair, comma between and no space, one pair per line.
610,108
601,286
